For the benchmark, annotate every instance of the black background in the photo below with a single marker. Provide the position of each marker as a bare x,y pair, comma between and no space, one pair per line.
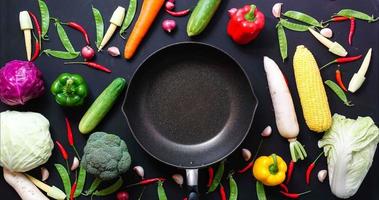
250,56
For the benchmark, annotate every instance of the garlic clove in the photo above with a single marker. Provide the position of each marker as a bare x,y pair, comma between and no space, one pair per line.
178,178
75,164
246,154
113,51
139,171
266,132
321,175
277,9
44,174
326,32
232,11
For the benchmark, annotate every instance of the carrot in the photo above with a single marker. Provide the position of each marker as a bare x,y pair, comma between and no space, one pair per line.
149,10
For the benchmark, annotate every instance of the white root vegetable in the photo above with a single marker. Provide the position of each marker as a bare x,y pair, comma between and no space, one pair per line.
26,26
23,186
285,115
116,21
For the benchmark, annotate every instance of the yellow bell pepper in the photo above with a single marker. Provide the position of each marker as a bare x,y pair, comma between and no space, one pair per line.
270,170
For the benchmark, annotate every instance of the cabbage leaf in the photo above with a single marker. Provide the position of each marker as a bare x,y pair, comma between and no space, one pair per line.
350,147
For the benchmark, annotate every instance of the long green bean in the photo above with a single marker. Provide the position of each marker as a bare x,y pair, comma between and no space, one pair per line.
217,178
99,26
161,192
109,190
80,181
128,17
282,39
45,19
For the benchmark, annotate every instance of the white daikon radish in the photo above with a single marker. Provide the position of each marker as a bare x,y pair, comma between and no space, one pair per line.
285,115
23,186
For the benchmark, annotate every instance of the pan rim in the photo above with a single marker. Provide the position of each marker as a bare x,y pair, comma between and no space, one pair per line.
195,166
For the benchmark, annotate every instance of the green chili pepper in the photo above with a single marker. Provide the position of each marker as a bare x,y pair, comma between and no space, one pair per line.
45,19
293,26
69,89
282,41
338,91
63,37
99,26
109,190
302,17
233,189
61,54
357,14
261,194
80,181
161,192
65,179
95,184
218,176
128,17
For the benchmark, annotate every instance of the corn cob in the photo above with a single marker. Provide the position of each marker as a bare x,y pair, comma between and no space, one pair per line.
311,90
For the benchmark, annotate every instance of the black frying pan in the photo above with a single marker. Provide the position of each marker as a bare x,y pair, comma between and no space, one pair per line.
189,105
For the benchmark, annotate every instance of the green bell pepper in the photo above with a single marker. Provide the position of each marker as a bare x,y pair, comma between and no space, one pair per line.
69,89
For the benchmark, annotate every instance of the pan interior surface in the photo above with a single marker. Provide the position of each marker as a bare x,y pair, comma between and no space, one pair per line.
189,105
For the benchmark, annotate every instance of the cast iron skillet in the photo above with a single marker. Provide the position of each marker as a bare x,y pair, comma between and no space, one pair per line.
189,105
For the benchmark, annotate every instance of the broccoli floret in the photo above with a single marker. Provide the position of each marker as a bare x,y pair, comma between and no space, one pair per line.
106,156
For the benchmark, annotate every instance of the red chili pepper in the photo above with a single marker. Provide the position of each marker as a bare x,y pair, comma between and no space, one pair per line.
80,28
284,187
342,60
245,24
339,18
210,175
70,136
247,167
352,30
339,80
222,193
36,23
294,195
178,13
72,193
291,167
310,169
92,65
37,50
62,150
146,182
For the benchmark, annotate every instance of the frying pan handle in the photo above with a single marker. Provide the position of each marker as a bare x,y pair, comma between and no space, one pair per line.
192,177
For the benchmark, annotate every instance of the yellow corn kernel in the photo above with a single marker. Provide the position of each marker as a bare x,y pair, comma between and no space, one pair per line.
311,91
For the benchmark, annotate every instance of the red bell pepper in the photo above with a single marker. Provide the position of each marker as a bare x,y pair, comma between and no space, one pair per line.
245,23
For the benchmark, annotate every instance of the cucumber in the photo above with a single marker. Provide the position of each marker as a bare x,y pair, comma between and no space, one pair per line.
201,16
101,106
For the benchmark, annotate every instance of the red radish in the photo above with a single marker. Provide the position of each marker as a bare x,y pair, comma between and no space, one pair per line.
169,5
168,25
87,53
285,115
122,195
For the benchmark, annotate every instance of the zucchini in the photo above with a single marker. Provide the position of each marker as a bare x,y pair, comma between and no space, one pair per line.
101,106
201,16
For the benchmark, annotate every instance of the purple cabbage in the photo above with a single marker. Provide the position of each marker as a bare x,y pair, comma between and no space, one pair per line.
20,81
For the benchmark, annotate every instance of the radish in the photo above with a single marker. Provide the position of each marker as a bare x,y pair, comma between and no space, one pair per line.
23,186
285,115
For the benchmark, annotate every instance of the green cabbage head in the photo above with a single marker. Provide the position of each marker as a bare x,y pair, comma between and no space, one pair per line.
350,147
25,141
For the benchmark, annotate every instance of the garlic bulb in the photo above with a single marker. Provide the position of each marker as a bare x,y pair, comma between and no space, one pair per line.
178,178
321,175
326,32
266,132
75,164
246,154
44,174
277,9
139,171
